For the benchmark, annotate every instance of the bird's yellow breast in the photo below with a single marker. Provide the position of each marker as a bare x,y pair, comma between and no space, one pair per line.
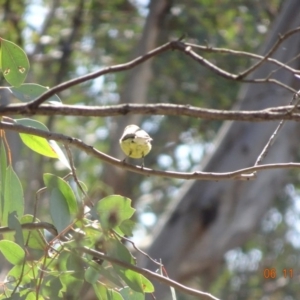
135,148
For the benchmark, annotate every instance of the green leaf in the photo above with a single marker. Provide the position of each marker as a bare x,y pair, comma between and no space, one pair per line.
13,196
3,162
113,210
91,275
14,223
118,250
18,271
13,200
12,252
53,181
14,296
59,153
62,260
30,91
128,294
108,273
3,167
36,143
41,145
76,265
36,238
55,287
103,293
136,281
126,228
32,296
59,211
14,61
63,204
72,285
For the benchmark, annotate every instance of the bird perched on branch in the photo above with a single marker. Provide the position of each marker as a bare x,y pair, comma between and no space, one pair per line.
135,142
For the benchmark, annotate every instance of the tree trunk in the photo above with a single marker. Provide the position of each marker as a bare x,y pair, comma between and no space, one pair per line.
209,218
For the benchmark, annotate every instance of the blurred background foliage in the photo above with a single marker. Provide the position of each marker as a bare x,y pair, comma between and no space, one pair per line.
66,39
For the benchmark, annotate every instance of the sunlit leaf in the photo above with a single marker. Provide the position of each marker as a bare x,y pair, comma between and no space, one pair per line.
36,143
14,61
12,252
41,145
31,271
72,284
126,228
60,154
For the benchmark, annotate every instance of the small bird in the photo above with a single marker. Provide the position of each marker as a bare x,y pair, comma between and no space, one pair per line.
135,142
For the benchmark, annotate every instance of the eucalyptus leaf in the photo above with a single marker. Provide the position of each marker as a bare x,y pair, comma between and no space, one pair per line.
12,252
30,91
14,62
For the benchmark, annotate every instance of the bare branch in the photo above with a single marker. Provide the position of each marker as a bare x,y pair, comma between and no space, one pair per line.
243,53
241,174
113,69
204,62
281,38
32,226
295,101
231,76
165,109
178,45
124,238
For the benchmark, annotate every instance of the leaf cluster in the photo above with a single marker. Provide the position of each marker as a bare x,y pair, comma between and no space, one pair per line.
50,260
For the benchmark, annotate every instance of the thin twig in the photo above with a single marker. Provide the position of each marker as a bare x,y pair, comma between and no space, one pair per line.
149,274
71,161
87,199
137,248
223,73
271,51
32,226
243,53
178,45
113,69
295,102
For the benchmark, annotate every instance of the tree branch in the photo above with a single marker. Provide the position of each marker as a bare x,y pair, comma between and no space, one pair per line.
33,226
241,174
178,45
243,53
113,69
223,73
165,109
149,274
